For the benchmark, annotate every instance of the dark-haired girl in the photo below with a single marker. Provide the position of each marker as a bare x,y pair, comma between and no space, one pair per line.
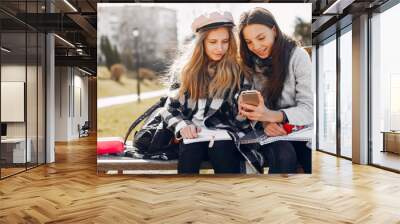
281,71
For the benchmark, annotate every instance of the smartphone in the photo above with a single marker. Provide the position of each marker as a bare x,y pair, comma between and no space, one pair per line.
250,97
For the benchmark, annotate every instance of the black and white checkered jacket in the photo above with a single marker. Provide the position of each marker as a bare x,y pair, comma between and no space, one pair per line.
222,113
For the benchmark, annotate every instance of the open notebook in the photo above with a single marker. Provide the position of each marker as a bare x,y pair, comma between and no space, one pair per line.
206,135
259,137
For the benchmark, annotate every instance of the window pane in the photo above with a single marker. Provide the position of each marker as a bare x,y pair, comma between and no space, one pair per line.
346,94
31,96
41,98
327,97
14,153
385,84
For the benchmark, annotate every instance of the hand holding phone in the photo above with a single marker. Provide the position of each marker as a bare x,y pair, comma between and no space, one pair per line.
251,105
250,97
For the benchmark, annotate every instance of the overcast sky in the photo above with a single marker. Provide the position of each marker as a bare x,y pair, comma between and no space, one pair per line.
285,13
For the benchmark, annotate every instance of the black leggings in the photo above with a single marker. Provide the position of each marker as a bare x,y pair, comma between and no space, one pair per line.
223,156
282,156
304,156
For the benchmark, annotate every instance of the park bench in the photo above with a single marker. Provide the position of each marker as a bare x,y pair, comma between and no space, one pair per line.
120,164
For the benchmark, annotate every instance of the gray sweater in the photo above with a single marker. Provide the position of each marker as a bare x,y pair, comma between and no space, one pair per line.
297,97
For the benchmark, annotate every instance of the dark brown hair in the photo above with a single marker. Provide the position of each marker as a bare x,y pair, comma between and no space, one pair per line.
281,52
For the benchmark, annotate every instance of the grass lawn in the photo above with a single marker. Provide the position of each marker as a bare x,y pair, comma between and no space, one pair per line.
114,121
107,87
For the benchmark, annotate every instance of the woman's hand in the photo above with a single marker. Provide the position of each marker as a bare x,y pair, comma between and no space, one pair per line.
273,129
260,112
255,113
190,131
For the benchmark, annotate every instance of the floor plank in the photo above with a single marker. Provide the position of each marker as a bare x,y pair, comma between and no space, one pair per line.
69,191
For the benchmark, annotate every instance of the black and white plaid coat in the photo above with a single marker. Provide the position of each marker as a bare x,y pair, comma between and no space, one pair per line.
222,114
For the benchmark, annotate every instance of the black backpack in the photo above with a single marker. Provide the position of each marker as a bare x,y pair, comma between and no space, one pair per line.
153,140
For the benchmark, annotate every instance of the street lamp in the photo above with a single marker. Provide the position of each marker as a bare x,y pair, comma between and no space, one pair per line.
135,33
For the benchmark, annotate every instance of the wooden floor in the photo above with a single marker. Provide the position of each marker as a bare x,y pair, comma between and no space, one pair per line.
69,191
10,171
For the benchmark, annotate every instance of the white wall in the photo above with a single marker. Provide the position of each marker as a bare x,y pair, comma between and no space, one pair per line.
61,103
12,73
71,93
33,125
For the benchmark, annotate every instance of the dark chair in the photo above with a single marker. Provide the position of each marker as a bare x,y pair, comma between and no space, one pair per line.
84,130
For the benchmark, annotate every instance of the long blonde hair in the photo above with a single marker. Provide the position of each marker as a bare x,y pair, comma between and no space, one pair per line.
192,70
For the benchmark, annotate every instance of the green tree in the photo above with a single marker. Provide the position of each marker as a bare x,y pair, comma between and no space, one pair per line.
117,58
302,32
110,52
